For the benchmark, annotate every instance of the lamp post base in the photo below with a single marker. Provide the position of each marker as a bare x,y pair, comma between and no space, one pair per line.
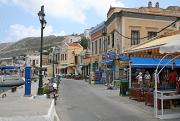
40,91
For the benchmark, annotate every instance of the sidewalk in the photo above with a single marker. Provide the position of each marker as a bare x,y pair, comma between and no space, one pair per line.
137,106
16,107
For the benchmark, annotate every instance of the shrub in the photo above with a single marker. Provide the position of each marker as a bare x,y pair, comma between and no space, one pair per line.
45,89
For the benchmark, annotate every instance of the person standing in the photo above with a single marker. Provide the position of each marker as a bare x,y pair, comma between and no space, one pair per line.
172,78
139,77
147,78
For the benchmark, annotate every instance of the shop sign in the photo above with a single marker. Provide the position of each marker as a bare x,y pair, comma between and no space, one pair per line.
111,55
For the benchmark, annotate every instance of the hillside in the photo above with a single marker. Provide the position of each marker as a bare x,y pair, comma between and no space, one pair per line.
4,45
28,44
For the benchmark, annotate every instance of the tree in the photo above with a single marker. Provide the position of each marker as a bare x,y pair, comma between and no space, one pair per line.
84,42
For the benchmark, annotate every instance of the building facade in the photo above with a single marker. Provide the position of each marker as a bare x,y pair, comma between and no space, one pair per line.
65,59
125,28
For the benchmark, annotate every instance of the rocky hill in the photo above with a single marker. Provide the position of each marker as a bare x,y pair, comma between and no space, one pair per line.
28,44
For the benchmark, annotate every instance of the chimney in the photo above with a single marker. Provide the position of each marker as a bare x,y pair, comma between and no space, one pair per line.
149,4
157,5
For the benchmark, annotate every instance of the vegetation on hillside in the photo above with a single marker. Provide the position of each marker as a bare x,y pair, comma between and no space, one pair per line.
29,44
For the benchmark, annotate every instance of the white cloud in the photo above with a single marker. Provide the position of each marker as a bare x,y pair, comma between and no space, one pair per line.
18,31
69,9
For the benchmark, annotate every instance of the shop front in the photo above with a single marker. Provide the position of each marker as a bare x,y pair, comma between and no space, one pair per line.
160,89
108,67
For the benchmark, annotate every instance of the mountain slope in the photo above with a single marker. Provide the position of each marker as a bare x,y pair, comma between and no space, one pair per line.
29,44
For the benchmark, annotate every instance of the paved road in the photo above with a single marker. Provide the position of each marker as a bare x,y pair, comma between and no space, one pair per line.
80,101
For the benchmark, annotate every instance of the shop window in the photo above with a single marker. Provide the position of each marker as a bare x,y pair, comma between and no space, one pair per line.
135,37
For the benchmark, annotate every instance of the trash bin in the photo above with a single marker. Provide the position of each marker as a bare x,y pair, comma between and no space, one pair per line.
123,87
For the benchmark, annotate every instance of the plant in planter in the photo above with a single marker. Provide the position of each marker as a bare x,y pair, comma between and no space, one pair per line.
46,89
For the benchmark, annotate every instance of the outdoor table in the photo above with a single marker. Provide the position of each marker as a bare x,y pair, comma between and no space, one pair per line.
167,95
149,100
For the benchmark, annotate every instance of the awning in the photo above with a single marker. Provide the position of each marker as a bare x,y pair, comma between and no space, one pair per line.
152,44
9,67
171,47
122,57
138,62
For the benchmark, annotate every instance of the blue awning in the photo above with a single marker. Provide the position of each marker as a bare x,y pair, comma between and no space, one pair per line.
9,67
122,57
138,62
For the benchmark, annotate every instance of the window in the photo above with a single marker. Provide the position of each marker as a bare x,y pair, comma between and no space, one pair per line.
58,57
33,62
151,34
96,47
135,37
108,40
112,37
100,45
81,59
92,48
61,57
36,61
105,44
65,57
76,60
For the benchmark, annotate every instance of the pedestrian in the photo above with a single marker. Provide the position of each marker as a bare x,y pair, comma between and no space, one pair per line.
139,77
172,78
54,87
147,78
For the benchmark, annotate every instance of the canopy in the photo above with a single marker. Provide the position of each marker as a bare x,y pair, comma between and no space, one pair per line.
167,44
172,47
9,67
138,62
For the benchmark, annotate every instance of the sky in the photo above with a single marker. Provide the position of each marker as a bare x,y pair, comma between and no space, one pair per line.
19,19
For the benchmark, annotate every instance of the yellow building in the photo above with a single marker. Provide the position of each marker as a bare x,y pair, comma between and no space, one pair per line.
70,58
66,59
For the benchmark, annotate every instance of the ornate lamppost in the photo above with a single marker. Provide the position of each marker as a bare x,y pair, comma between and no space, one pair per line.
41,15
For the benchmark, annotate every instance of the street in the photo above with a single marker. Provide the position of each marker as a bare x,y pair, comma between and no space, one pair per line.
80,101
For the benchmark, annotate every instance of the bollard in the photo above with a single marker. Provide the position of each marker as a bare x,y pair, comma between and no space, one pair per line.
27,81
13,89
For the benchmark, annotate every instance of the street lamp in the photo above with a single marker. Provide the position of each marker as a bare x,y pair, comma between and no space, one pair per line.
41,15
104,34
